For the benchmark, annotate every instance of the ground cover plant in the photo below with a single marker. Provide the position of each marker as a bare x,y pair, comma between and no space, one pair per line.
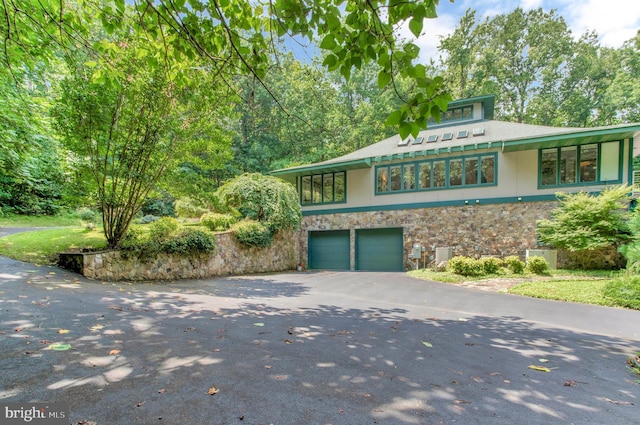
598,287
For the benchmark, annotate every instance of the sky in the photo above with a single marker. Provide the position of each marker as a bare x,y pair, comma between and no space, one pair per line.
615,21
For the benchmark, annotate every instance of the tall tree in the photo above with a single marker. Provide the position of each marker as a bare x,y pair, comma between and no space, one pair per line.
238,35
130,121
623,95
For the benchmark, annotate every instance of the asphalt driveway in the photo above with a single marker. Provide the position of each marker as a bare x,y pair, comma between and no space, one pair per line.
310,348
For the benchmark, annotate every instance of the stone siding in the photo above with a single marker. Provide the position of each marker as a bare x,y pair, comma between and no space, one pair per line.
470,230
229,258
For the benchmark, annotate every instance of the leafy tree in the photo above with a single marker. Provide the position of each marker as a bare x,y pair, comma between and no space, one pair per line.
584,223
31,167
265,199
131,121
623,94
238,35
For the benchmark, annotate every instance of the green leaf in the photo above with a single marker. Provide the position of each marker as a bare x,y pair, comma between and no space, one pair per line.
58,346
427,344
405,129
394,118
91,64
416,25
328,42
384,78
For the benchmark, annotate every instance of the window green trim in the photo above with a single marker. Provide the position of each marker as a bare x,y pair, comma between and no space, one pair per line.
321,189
437,174
579,165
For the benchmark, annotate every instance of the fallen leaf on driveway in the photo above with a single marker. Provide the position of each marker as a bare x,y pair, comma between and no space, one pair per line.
114,352
539,368
570,383
288,341
59,346
96,328
258,324
213,390
63,331
427,344
162,391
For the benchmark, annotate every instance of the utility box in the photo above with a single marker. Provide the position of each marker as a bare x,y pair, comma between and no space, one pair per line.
551,255
416,251
443,254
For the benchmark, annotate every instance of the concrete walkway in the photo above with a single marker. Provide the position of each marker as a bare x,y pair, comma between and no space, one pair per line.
310,348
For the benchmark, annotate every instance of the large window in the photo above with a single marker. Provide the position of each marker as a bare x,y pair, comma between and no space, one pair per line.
323,188
573,165
450,173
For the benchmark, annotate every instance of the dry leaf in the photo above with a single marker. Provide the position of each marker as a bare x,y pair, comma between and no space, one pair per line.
96,328
162,391
288,341
540,368
63,331
114,352
212,391
570,383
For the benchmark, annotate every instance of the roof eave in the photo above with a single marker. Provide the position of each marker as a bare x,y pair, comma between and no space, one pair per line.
574,138
322,168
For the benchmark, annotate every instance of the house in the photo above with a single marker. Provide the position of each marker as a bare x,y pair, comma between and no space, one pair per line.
469,183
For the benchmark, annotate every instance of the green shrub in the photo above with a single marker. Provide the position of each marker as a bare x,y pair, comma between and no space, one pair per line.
491,265
514,264
88,214
624,291
252,233
148,219
189,208
217,222
537,265
465,266
163,228
190,242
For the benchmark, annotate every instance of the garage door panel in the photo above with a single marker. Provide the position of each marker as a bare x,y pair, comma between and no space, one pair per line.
379,249
329,250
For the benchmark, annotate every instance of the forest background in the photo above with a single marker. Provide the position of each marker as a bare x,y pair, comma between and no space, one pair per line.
292,111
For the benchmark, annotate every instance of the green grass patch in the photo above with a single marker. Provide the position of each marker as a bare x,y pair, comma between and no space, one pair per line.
598,287
588,291
40,220
445,277
43,246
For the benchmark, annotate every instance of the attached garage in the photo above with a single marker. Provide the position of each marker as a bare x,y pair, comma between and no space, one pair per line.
379,249
329,250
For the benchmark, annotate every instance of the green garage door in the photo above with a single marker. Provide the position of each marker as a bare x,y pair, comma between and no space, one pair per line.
379,249
329,250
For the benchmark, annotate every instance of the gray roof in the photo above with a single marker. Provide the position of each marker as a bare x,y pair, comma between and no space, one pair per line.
506,136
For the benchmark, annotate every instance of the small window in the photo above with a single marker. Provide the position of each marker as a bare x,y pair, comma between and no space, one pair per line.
383,180
432,138
424,175
467,112
462,134
447,136
409,177
396,178
455,172
478,131
418,140
404,142
439,174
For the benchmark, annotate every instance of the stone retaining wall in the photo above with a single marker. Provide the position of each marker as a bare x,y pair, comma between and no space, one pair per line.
229,258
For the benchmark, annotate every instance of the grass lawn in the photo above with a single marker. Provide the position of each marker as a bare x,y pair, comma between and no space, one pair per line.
578,286
40,221
43,246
